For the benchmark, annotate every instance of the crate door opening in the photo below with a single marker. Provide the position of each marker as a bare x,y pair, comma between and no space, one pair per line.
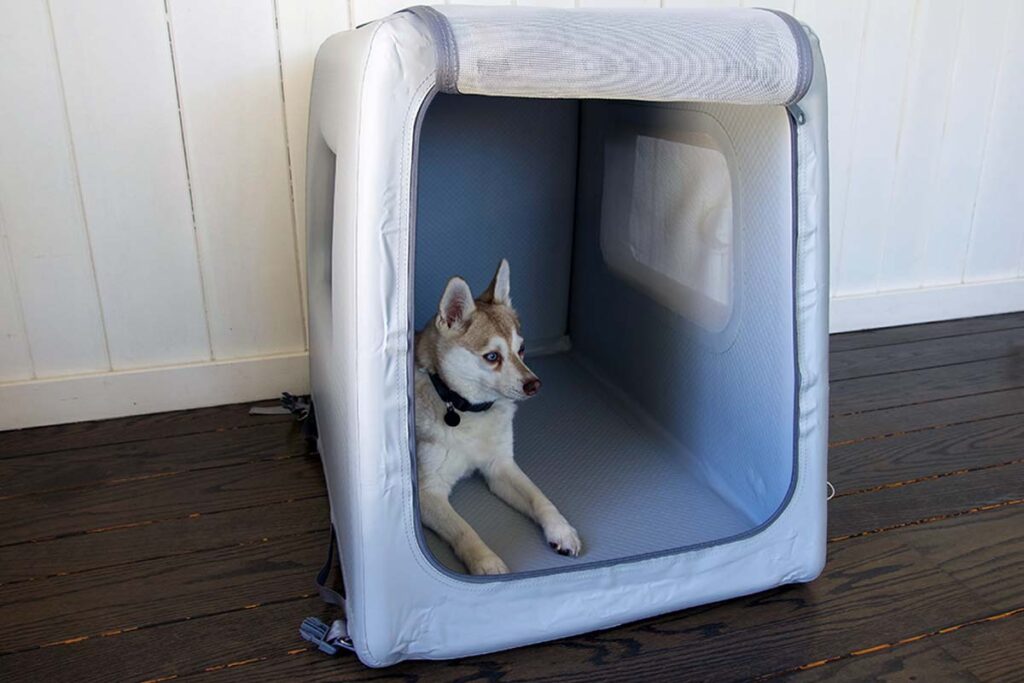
651,265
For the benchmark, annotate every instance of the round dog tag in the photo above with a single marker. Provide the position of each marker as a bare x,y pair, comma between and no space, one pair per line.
451,418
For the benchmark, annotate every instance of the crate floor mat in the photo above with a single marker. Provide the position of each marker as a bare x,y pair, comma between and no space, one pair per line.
627,487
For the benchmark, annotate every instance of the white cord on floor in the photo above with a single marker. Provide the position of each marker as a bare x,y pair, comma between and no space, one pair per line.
831,490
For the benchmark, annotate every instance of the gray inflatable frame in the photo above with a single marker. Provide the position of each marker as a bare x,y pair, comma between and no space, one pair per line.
400,107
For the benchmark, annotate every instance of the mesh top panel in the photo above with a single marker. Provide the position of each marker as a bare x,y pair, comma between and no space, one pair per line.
740,56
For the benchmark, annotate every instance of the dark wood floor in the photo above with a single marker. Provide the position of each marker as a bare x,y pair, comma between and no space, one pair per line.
182,545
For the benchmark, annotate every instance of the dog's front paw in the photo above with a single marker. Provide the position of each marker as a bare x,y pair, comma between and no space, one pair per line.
486,564
563,538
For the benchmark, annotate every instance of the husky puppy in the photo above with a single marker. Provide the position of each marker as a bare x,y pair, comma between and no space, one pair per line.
470,373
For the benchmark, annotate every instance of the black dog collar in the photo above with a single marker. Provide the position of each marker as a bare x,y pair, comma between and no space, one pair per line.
454,401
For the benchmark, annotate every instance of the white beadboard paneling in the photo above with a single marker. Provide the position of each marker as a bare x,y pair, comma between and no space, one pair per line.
924,100
302,26
997,237
119,86
948,216
840,28
875,135
922,126
230,91
15,358
152,390
42,212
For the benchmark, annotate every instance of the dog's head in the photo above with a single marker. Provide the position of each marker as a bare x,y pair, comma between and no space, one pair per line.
481,347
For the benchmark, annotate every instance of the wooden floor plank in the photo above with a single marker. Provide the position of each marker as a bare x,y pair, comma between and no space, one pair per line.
919,416
173,648
871,593
974,653
180,536
912,333
150,592
926,453
18,442
143,502
924,354
920,661
932,384
83,467
891,507
991,652
988,557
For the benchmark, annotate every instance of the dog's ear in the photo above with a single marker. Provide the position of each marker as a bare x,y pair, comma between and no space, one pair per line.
456,305
498,291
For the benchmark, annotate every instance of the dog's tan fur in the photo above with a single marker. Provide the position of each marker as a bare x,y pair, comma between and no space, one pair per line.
454,346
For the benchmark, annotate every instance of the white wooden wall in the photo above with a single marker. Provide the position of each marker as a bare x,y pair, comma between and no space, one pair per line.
151,182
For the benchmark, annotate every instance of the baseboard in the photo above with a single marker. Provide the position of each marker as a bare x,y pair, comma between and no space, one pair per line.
924,305
152,390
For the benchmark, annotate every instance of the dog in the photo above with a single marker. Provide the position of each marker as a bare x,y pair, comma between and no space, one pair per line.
470,373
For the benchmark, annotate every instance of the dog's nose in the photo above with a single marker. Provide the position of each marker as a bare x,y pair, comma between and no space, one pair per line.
531,387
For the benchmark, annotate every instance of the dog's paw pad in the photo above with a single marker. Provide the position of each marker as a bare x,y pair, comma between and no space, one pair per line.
563,539
487,565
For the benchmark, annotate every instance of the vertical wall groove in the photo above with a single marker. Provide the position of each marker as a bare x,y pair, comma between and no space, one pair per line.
912,44
78,183
932,171
291,176
20,308
984,153
848,162
188,178
945,127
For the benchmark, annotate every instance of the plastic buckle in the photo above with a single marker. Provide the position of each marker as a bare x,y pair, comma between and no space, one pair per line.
328,639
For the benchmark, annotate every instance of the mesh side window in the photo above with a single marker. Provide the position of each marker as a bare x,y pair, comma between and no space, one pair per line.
667,222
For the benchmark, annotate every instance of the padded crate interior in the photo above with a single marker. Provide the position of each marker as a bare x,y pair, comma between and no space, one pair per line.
657,239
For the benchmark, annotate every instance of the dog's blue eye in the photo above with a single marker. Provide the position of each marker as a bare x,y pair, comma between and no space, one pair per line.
492,357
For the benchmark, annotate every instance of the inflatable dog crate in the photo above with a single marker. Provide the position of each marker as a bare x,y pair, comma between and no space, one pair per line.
657,180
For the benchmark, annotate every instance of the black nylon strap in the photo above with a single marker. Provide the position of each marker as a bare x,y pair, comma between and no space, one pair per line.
329,595
457,401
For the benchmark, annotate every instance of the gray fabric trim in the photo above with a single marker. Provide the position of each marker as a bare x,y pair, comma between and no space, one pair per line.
444,44
805,58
